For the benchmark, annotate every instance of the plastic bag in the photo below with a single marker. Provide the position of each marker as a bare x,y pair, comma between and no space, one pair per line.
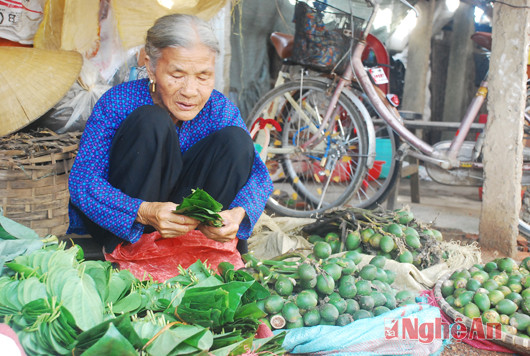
160,258
73,110
274,236
19,20
409,277
319,40
111,57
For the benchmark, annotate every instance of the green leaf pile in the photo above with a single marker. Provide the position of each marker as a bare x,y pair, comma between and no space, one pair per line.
201,206
17,239
60,304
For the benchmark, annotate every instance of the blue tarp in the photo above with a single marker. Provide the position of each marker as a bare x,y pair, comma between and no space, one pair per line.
408,330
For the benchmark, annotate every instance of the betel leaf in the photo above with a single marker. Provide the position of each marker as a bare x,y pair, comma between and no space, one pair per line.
226,338
270,345
39,259
200,271
223,267
126,328
10,249
100,272
17,230
49,333
201,214
80,297
123,323
145,329
31,345
112,343
66,324
120,284
209,282
205,199
31,289
117,288
201,206
33,310
181,339
62,258
255,292
239,348
4,235
202,340
57,277
199,203
250,310
212,306
9,296
22,270
128,304
194,274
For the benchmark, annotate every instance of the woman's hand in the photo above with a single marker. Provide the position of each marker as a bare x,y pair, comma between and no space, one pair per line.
164,220
231,220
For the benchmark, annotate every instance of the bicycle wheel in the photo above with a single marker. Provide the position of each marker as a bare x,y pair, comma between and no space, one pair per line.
325,174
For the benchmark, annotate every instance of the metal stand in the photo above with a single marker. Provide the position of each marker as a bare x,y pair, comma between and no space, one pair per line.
411,170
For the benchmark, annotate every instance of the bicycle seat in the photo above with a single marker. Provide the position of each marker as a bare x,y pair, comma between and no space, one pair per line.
283,43
483,39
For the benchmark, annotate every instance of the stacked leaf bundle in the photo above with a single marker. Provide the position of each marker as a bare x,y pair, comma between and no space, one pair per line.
59,304
201,206
396,235
324,290
496,292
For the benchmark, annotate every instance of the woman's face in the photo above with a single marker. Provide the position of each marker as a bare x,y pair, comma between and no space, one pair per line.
184,78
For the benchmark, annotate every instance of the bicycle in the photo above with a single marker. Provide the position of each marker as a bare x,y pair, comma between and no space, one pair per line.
360,188
324,139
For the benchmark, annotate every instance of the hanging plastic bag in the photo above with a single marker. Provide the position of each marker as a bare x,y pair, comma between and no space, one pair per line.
19,20
73,110
160,258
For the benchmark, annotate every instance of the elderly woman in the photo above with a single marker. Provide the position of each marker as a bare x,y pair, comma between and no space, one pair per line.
148,143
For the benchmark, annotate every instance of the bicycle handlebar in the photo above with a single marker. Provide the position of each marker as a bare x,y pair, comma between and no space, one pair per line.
372,2
376,4
411,7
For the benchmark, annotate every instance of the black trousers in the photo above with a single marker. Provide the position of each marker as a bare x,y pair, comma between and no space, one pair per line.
146,163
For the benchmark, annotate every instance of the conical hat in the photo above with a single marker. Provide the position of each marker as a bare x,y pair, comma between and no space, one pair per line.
32,81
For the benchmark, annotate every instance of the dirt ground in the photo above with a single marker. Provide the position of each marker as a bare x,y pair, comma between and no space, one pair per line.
461,349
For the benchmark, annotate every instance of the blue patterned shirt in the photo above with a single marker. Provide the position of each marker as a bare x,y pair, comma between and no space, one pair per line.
115,211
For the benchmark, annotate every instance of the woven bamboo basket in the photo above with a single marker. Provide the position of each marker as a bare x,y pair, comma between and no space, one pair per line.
34,171
512,342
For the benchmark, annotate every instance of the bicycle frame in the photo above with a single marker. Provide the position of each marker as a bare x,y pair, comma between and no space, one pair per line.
446,160
303,157
364,81
424,151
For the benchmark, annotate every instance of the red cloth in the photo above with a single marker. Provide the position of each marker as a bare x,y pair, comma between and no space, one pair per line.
158,257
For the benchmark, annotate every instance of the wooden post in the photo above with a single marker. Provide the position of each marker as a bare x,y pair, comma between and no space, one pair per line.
419,51
504,130
416,78
460,70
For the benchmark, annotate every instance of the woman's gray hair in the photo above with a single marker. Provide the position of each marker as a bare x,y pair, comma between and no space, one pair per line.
178,30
